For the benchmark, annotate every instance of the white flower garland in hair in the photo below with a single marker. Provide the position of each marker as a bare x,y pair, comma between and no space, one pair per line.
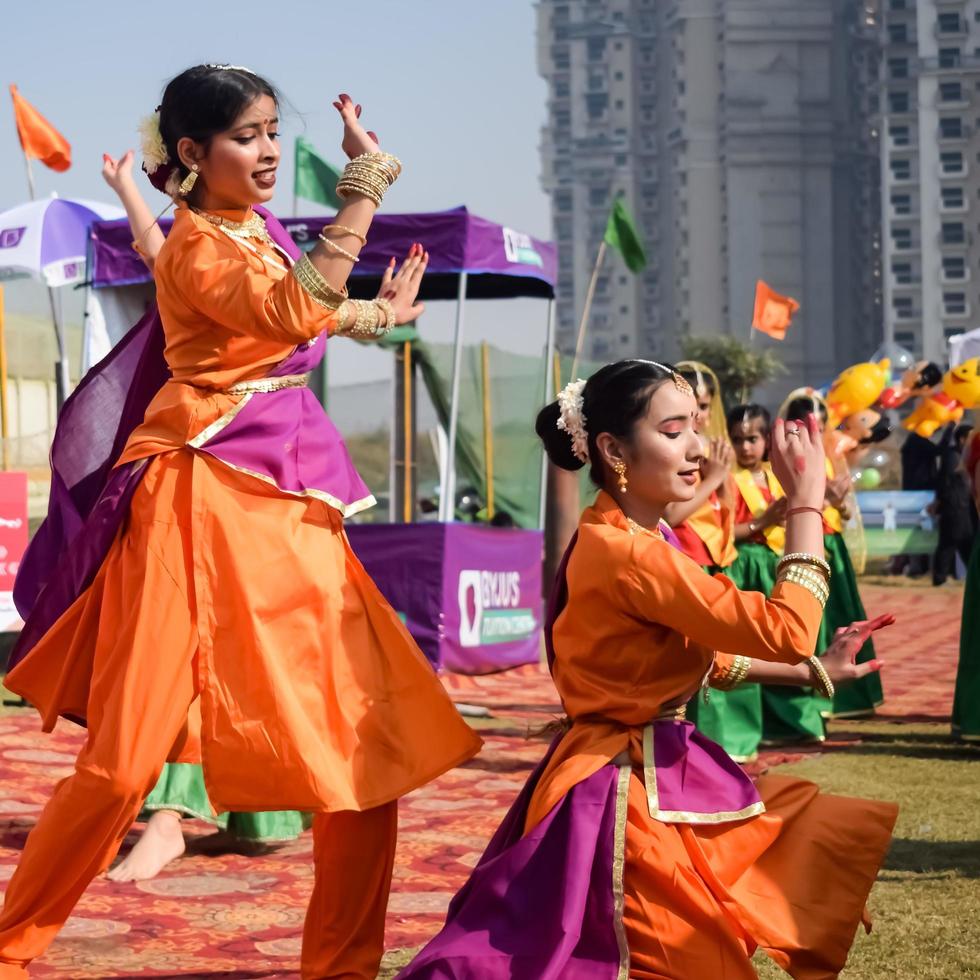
151,142
572,419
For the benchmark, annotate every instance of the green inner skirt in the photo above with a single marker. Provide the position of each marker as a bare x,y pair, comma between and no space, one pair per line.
733,719
181,788
797,713
966,700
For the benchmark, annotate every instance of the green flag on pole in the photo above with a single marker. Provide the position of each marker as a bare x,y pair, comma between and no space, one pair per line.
315,179
621,234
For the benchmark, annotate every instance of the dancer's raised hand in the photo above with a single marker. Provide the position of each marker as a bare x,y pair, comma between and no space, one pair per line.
117,173
356,139
401,287
799,461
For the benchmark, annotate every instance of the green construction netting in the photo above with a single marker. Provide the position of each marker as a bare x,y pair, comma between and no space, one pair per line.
517,392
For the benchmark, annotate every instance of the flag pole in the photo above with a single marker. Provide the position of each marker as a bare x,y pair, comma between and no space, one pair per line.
487,427
3,388
587,308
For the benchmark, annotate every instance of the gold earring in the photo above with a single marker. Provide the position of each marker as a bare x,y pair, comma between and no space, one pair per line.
620,467
187,184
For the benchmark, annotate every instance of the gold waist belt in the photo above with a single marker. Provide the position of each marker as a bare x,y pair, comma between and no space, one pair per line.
671,713
268,384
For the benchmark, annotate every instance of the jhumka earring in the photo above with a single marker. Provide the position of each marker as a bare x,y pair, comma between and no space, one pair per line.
620,467
187,184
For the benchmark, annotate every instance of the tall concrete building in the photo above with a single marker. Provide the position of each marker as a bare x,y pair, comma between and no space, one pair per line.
931,171
742,135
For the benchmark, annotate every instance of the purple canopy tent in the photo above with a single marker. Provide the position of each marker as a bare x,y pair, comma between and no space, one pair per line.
470,258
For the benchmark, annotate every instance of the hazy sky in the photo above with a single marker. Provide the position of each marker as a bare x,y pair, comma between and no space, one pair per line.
451,86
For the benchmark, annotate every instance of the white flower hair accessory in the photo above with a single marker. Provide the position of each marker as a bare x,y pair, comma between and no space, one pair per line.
151,143
572,419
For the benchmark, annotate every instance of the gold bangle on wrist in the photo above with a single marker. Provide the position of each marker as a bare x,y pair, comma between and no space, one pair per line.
823,682
367,320
803,557
389,314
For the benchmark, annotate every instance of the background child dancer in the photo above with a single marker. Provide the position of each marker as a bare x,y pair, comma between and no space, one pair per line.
705,528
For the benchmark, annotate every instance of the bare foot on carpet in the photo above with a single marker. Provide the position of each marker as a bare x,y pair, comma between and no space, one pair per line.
161,843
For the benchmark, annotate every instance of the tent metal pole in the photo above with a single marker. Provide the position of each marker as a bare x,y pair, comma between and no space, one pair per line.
447,504
549,396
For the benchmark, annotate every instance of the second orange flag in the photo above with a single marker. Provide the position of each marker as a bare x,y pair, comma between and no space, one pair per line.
773,313
40,140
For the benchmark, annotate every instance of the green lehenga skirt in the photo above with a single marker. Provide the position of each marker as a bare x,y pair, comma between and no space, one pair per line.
181,788
966,700
797,713
733,719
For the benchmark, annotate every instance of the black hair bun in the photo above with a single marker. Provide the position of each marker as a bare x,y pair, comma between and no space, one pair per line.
557,442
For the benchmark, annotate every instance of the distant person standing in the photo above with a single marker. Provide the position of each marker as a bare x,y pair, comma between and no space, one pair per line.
966,699
953,506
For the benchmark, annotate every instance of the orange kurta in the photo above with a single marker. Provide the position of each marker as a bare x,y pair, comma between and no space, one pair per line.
313,696
636,638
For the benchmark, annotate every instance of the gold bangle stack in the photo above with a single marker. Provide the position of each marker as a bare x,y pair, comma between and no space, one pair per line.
734,674
824,683
810,581
313,283
808,571
373,319
804,558
370,174
344,230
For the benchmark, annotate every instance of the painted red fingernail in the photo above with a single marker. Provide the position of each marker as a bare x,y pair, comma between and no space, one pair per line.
374,136
344,97
105,158
337,105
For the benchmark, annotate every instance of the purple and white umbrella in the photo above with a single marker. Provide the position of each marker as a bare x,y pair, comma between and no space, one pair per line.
47,240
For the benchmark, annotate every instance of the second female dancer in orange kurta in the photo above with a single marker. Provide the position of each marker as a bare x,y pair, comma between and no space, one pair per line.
229,622
638,848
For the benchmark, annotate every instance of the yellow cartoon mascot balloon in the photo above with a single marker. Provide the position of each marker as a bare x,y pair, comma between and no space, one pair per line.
960,390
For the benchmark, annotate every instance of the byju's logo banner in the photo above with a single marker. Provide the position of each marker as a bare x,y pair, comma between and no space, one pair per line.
489,608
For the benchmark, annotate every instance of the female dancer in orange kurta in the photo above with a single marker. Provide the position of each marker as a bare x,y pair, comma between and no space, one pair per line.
638,848
230,623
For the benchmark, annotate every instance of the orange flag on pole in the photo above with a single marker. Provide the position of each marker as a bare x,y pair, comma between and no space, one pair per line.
773,313
39,139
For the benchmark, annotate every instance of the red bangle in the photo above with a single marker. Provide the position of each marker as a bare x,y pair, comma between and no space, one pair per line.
804,510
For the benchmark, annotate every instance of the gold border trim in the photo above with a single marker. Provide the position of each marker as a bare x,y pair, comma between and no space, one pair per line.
347,510
684,816
619,870
215,427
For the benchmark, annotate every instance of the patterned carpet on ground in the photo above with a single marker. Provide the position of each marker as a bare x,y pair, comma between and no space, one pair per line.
221,914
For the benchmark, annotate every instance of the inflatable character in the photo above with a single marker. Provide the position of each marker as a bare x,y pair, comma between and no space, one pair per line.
856,389
919,380
960,390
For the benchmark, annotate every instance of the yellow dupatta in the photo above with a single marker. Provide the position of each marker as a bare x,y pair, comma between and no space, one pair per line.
716,529
756,502
831,515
